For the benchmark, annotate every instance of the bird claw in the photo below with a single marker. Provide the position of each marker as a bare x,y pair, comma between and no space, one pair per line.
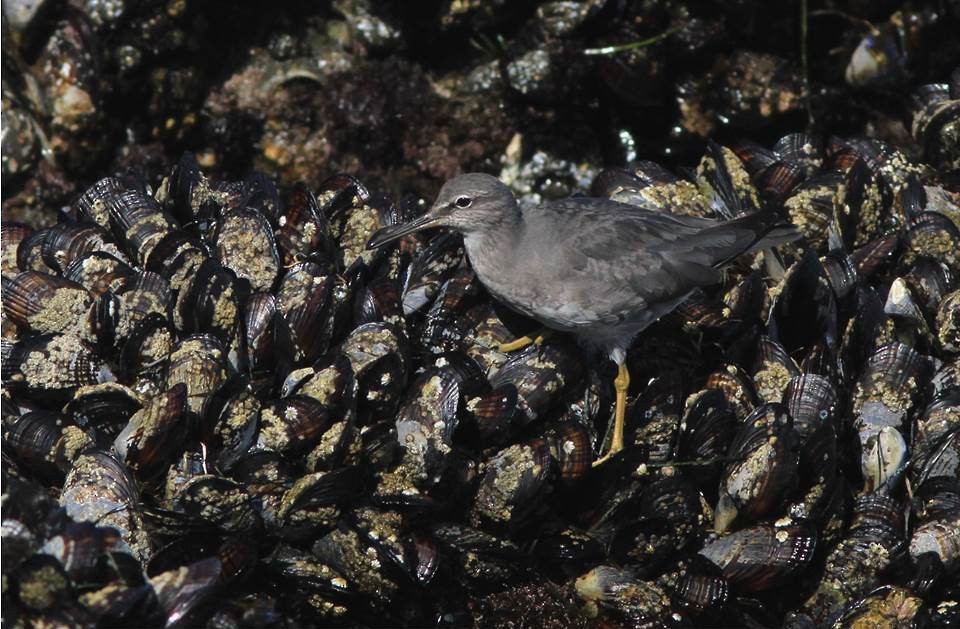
614,450
525,340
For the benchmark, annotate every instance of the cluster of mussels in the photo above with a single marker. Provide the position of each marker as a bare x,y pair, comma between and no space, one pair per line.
220,408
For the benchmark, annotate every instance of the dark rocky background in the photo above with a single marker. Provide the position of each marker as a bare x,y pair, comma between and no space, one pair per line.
405,95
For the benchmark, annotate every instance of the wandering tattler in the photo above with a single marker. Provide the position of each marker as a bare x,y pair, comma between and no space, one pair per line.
594,267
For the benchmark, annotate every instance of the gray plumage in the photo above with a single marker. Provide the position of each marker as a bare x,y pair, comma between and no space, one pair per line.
594,267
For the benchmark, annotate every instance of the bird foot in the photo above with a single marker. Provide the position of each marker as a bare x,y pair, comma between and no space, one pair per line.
620,384
523,341
606,457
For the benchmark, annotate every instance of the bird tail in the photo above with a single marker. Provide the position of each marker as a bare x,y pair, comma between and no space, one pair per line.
751,232
780,234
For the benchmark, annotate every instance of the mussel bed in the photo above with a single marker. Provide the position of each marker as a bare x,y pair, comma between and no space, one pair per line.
221,410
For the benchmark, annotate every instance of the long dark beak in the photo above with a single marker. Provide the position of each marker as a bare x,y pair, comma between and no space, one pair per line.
395,232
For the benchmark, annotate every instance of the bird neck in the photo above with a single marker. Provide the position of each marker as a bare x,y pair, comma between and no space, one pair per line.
491,247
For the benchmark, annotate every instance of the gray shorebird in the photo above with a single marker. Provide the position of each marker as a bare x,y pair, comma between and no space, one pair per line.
593,267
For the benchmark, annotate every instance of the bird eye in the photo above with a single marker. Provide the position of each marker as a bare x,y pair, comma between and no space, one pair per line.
463,201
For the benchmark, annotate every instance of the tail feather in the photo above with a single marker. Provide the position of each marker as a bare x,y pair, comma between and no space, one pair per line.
751,232
779,234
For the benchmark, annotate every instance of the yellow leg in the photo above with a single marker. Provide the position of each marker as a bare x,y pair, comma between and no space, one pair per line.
523,341
621,383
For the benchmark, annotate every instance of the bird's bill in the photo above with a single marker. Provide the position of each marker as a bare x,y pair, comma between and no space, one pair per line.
390,233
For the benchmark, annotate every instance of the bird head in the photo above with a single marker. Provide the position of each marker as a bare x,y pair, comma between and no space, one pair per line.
466,203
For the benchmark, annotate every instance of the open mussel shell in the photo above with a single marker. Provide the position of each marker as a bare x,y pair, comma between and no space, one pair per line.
883,459
762,557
